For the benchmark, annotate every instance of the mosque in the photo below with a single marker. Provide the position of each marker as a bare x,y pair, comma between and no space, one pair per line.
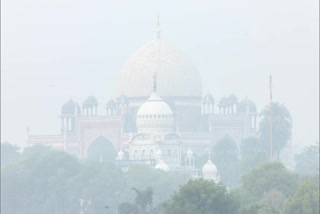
161,117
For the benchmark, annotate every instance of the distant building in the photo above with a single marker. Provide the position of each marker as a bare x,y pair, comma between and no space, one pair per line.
165,120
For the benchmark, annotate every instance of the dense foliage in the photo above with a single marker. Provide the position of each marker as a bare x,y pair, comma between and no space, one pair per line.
307,162
252,154
202,196
306,200
9,153
40,180
47,181
269,176
226,158
281,128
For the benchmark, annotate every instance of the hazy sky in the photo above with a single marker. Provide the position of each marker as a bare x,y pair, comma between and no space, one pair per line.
52,51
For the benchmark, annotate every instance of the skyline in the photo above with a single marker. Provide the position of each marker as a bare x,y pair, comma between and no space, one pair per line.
67,57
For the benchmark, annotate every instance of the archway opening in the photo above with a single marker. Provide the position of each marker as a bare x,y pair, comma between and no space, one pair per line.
101,149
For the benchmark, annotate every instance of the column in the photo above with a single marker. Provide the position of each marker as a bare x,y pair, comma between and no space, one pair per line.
202,108
255,122
62,123
67,123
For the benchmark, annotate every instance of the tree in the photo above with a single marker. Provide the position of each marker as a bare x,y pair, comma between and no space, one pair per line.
260,208
143,198
39,150
274,198
202,196
269,176
281,128
252,154
163,183
9,153
226,157
41,184
307,162
306,200
128,208
101,184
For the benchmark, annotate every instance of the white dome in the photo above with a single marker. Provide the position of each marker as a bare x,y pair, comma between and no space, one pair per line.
209,171
155,114
176,74
120,155
162,165
189,153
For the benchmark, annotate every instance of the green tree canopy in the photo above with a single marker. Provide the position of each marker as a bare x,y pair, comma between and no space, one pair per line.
163,183
128,208
281,128
9,153
252,154
306,200
144,198
226,157
307,162
269,176
40,184
260,208
202,196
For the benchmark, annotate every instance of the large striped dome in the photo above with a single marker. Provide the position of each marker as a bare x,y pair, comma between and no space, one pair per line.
177,77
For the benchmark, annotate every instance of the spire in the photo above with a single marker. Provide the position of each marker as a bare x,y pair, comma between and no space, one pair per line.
154,82
158,27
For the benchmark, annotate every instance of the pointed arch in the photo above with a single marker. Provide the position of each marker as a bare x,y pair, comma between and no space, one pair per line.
101,149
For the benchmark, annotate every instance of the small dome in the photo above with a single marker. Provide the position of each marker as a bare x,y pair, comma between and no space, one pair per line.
189,153
242,106
120,155
208,98
223,101
209,171
232,99
162,165
155,114
111,103
69,108
91,100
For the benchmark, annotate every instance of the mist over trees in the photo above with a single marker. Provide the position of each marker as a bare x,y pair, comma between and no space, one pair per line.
226,158
47,181
307,162
252,154
43,180
202,196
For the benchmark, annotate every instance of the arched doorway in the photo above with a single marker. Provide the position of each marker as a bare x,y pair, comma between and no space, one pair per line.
101,149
